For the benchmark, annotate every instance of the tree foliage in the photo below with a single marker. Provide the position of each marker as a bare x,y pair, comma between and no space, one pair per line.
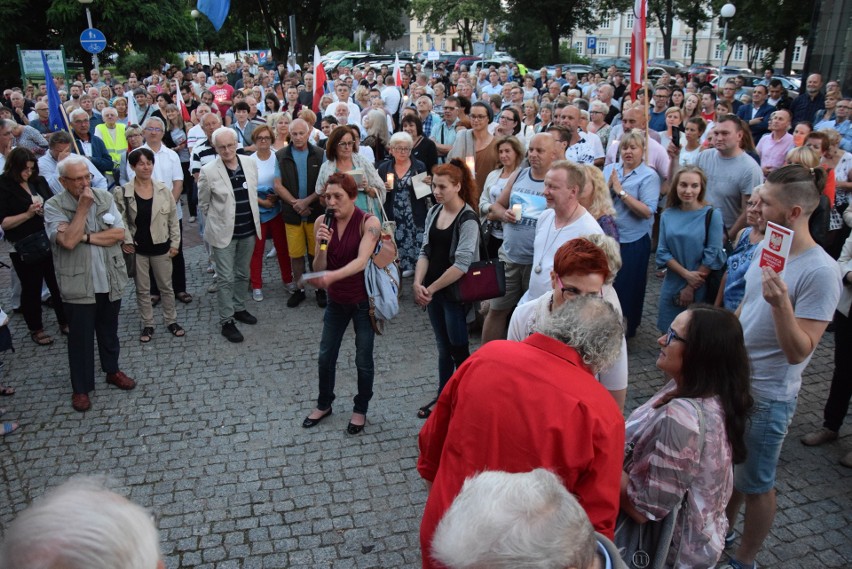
465,16
695,15
559,18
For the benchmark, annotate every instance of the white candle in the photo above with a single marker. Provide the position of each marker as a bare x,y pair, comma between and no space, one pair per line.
471,165
390,179
518,210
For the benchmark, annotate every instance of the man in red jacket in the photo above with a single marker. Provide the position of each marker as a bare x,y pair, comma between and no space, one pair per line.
518,406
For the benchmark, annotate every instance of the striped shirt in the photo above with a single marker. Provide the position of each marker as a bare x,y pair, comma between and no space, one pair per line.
243,217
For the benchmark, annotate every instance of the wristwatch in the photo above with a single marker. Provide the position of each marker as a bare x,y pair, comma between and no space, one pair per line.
622,193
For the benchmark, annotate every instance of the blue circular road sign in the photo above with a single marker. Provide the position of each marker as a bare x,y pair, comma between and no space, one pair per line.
93,40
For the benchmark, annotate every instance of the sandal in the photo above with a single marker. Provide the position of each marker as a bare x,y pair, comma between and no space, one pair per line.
147,334
40,338
184,297
7,391
9,428
155,300
176,330
426,410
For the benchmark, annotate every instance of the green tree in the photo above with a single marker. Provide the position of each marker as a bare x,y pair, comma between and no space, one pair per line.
559,18
695,15
662,11
466,16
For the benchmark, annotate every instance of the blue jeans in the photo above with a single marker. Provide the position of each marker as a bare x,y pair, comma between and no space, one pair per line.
764,436
631,281
335,320
449,323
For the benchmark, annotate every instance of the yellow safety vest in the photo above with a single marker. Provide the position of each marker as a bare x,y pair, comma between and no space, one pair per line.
115,146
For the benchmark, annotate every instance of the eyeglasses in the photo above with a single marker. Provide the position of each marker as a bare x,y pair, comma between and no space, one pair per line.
479,117
451,108
505,118
263,138
152,129
346,144
672,335
403,149
573,292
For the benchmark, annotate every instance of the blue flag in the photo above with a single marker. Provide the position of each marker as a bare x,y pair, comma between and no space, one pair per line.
54,103
215,10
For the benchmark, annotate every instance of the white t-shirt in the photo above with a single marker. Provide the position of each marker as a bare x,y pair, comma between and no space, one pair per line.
547,240
525,317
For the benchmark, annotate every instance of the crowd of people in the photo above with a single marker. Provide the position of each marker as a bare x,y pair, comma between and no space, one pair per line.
564,179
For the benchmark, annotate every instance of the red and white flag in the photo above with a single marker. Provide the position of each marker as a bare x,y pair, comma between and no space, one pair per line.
184,112
319,79
397,74
637,48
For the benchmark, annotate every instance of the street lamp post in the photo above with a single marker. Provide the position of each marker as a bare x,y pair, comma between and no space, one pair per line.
89,19
727,12
195,15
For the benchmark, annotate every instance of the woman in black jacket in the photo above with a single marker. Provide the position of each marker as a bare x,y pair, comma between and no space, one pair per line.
22,196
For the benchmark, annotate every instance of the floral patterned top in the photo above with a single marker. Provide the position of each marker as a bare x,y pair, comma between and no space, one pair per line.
669,461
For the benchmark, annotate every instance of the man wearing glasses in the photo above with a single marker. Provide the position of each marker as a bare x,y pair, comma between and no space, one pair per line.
90,146
42,123
444,132
86,231
841,123
227,196
657,121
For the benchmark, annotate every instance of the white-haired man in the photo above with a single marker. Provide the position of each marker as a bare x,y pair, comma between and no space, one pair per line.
86,232
503,520
562,418
90,146
227,196
82,525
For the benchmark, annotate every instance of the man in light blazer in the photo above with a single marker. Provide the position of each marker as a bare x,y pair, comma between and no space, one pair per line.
227,196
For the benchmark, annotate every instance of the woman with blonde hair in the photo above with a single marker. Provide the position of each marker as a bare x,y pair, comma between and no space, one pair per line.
595,197
280,125
377,138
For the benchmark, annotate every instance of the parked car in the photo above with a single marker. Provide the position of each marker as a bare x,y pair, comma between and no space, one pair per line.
621,63
792,84
670,65
749,81
733,70
465,60
578,69
697,68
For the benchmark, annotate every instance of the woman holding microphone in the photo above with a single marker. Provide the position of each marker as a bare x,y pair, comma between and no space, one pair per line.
344,242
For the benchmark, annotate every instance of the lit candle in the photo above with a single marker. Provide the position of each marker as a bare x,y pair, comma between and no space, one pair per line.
390,179
518,210
471,165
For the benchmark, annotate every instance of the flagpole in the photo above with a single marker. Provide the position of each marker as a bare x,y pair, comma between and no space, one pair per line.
69,130
647,99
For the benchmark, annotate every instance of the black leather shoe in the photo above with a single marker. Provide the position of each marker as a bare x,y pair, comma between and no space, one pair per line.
244,317
322,299
308,422
296,299
229,330
354,429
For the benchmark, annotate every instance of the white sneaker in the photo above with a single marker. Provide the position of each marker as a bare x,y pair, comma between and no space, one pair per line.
272,253
213,287
192,219
291,287
257,294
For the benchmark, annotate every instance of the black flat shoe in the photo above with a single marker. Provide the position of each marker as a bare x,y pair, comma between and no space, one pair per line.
308,422
354,429
426,410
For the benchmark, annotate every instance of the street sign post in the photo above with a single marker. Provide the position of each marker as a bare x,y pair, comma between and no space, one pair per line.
93,40
591,44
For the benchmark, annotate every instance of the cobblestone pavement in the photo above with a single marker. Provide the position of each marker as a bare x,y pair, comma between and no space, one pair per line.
211,441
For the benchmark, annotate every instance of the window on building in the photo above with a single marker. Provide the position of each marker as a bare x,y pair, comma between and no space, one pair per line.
687,49
717,51
606,22
761,54
660,50
602,48
627,48
797,54
578,47
629,21
443,44
738,51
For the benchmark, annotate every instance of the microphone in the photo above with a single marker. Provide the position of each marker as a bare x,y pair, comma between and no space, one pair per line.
329,215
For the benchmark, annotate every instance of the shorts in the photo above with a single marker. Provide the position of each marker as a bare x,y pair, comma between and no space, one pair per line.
517,283
300,239
764,437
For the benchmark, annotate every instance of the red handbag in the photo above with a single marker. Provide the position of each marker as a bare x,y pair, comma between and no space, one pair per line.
484,279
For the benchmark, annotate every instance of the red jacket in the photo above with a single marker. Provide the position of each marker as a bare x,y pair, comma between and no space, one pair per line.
517,406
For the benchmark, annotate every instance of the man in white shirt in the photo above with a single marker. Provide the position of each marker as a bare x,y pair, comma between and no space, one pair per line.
341,89
59,149
391,96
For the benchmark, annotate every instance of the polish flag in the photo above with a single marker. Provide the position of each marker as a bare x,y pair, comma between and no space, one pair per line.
184,112
397,74
637,51
319,79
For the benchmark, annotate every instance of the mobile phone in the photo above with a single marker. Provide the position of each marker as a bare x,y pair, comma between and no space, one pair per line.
676,130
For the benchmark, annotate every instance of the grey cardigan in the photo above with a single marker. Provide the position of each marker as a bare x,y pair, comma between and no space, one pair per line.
465,250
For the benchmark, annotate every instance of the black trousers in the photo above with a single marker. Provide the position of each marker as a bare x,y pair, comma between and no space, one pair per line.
841,382
85,322
31,276
178,270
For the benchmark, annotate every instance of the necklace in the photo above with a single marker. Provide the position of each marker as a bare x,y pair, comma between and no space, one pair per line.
548,243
